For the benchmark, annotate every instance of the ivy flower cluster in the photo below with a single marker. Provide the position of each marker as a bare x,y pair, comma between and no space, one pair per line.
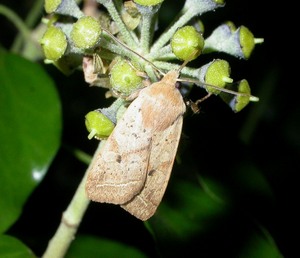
117,47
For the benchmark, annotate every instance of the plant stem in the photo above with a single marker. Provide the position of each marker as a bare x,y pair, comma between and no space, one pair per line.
71,219
186,71
32,17
146,32
17,21
123,30
161,53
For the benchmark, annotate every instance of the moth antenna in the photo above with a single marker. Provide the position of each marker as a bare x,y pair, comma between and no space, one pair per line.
251,97
129,49
183,65
187,60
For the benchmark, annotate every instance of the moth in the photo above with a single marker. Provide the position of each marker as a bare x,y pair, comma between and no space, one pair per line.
134,166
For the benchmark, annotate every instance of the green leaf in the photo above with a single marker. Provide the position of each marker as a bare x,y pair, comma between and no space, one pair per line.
188,211
90,247
30,129
11,247
260,246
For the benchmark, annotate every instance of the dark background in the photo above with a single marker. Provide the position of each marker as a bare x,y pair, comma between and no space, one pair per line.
265,134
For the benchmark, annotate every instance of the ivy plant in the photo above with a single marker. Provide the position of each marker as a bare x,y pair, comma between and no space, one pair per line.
120,47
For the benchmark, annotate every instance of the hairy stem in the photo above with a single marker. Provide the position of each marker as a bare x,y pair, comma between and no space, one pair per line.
146,32
123,30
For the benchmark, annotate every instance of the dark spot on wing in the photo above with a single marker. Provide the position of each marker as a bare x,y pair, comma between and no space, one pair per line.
119,159
151,172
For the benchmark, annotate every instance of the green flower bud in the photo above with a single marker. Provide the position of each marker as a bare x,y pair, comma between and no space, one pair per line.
231,26
219,1
238,102
51,5
98,125
187,43
124,78
54,43
242,101
148,2
237,42
86,32
215,73
64,7
247,41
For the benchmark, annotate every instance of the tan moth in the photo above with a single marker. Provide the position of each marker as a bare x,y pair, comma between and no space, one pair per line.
134,166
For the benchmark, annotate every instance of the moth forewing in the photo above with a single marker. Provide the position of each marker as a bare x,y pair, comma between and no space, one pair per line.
134,166
163,152
119,171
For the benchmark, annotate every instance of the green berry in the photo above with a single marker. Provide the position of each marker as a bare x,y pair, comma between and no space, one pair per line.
217,74
54,43
242,101
124,78
63,7
231,26
86,32
219,1
98,125
51,5
187,43
148,2
246,41
226,38
238,102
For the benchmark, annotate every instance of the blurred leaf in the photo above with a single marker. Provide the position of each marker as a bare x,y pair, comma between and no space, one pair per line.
90,247
11,247
188,212
249,179
30,129
260,246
